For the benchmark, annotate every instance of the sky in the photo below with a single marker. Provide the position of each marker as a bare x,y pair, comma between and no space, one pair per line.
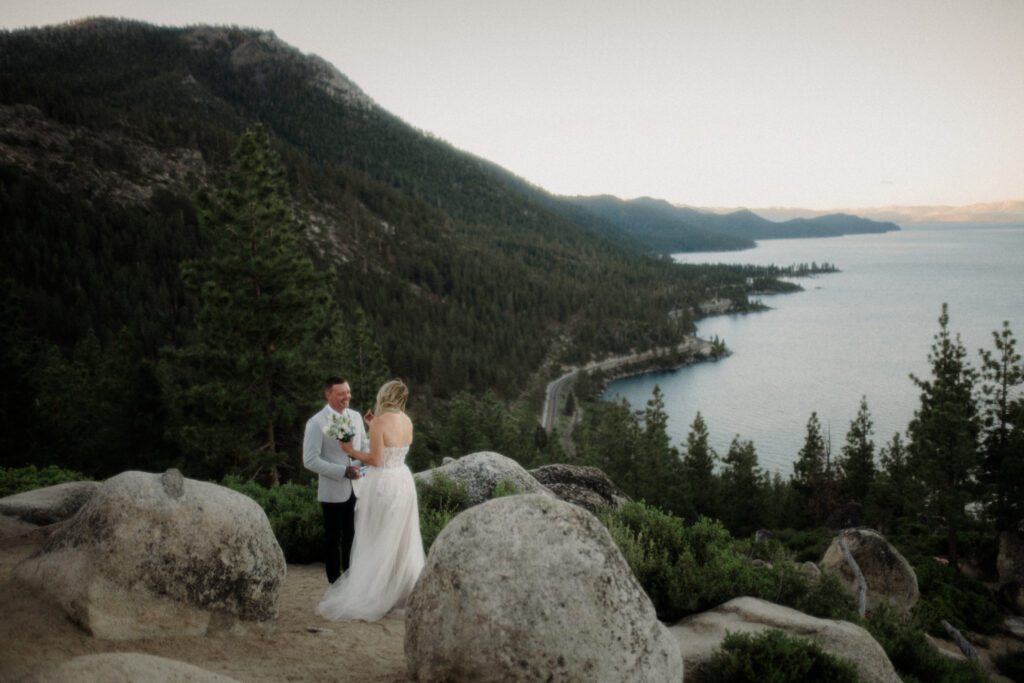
718,103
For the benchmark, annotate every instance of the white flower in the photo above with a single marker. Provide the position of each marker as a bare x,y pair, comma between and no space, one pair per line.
340,427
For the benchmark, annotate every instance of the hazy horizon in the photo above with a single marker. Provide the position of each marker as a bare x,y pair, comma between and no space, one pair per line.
819,105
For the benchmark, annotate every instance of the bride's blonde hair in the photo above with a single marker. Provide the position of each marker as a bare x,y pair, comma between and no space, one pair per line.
392,395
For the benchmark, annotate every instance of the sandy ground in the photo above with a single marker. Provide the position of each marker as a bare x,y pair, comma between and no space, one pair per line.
303,647
35,635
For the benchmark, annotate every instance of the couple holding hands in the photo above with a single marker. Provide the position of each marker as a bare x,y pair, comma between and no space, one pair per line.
368,497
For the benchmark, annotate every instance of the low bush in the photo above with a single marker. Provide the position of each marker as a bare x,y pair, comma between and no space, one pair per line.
442,493
505,487
19,479
915,659
294,515
1011,665
773,657
439,502
806,545
432,523
686,569
960,600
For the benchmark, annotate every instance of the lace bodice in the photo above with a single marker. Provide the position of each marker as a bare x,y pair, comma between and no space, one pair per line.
394,456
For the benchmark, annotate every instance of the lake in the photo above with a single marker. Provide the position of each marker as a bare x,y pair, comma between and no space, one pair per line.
859,332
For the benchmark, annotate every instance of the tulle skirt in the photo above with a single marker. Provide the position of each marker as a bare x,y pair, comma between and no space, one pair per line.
387,551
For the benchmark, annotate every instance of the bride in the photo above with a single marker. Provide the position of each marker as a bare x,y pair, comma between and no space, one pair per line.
387,553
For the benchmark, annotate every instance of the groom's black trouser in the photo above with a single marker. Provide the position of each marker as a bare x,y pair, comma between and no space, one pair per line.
339,528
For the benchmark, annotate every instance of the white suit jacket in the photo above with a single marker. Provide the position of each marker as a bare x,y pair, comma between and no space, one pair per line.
322,454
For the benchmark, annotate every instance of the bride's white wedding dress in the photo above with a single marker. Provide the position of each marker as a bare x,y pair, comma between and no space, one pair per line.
387,552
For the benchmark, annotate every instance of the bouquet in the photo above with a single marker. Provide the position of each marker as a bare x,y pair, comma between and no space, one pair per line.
340,427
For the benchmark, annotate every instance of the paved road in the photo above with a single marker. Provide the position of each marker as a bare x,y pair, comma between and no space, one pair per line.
555,387
552,397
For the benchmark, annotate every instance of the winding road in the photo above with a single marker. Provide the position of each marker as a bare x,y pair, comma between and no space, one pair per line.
552,397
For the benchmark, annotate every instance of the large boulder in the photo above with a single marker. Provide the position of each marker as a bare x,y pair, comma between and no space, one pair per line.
531,588
48,505
700,635
14,528
588,487
126,667
889,577
1010,566
154,555
480,472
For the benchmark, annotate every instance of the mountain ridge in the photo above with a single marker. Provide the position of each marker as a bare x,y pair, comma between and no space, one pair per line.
1005,212
665,227
470,276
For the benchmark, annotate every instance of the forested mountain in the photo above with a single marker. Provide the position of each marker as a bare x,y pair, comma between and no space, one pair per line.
665,228
469,277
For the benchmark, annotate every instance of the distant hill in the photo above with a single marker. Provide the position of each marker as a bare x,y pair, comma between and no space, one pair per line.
666,228
470,276
989,213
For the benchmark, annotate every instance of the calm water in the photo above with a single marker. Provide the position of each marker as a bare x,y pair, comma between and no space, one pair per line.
858,332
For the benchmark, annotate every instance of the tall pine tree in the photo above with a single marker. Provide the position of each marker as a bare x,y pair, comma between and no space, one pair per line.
699,470
743,489
267,330
813,479
944,434
1003,438
660,469
857,461
895,492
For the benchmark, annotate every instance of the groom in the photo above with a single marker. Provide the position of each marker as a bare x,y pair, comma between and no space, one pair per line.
339,474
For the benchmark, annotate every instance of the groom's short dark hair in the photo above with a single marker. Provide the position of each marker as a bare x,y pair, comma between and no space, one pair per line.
331,381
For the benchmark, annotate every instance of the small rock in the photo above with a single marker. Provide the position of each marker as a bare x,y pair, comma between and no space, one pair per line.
173,483
127,667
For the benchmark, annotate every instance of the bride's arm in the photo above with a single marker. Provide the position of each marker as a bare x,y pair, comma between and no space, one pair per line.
376,453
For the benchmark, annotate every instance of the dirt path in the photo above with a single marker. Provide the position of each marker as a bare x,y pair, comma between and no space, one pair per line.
302,647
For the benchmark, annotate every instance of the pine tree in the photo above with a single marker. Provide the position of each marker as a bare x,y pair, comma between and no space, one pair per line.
1002,376
895,492
363,361
743,489
699,471
857,462
660,469
266,332
944,434
813,478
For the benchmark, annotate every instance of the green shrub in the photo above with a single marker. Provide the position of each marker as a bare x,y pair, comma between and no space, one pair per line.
439,502
826,599
914,658
960,600
806,545
686,569
18,479
442,493
773,657
1011,665
505,487
432,522
294,515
